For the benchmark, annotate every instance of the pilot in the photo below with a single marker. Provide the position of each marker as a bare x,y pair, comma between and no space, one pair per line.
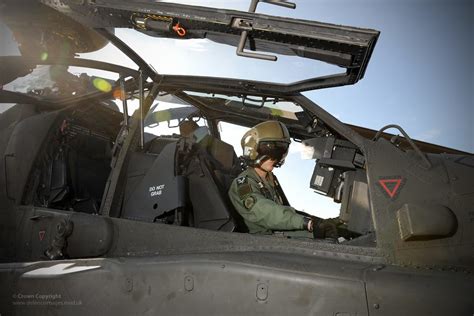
187,128
257,195
222,154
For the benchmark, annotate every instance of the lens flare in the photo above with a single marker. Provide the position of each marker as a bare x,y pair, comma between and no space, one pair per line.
118,94
102,85
163,116
276,112
43,56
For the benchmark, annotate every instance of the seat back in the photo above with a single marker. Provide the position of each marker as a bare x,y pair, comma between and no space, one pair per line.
153,188
212,167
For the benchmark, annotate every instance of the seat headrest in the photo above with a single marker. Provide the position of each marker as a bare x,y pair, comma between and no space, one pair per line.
200,133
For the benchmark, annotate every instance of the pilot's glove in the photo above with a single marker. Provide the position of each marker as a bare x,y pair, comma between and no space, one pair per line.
324,229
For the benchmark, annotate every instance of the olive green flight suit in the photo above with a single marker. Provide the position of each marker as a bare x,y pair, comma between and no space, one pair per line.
260,204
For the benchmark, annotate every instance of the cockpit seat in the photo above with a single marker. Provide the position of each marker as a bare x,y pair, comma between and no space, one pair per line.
211,167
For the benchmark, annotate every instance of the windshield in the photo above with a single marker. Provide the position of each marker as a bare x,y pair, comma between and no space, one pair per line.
166,115
171,56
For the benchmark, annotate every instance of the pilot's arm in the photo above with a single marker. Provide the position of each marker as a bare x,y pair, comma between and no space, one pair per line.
262,215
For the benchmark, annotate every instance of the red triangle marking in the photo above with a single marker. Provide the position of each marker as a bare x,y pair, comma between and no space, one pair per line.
393,191
41,234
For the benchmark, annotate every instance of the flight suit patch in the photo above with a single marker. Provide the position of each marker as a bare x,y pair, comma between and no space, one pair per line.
241,180
244,189
249,202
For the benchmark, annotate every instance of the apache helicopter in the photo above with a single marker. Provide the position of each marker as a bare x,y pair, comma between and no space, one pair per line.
99,215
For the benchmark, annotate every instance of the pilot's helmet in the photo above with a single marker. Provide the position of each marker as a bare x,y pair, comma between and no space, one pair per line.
187,128
267,140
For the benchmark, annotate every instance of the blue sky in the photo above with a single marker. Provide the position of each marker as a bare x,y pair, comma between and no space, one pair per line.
421,75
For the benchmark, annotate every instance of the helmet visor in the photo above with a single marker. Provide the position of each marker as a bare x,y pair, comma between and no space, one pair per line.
274,150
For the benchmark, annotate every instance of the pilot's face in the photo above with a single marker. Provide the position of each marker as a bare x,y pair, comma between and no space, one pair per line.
268,165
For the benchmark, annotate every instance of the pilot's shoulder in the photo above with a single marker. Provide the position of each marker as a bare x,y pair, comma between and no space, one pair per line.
244,184
245,177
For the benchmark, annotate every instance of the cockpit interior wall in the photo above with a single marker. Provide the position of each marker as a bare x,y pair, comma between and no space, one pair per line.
51,159
8,120
26,141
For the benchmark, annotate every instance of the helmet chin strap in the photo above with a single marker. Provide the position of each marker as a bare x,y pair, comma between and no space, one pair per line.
260,168
259,161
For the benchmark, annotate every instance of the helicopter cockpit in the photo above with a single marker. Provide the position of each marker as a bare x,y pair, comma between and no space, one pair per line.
172,179
337,175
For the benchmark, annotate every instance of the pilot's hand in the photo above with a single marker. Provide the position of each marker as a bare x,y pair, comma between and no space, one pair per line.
324,229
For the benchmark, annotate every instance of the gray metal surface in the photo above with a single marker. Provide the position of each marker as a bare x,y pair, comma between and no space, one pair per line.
262,283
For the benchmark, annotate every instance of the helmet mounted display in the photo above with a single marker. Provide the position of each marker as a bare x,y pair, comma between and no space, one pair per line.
267,140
